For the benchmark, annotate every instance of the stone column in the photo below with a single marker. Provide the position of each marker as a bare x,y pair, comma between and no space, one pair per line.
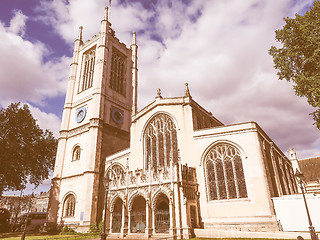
123,231
153,221
176,201
185,228
148,230
129,221
110,222
171,216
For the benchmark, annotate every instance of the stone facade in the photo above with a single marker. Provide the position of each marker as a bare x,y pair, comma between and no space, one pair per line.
198,191
173,167
95,123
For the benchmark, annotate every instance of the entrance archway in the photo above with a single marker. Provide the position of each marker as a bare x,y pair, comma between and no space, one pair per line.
138,215
117,216
162,214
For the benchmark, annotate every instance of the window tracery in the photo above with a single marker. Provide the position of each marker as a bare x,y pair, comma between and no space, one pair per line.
87,75
76,153
224,173
117,74
69,205
160,140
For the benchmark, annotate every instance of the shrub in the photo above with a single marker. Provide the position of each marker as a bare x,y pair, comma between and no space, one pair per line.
67,230
96,229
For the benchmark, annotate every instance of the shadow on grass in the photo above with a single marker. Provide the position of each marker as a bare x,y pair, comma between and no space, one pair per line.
31,235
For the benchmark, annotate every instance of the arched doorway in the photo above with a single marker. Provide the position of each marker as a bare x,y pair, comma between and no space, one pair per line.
162,214
138,215
117,216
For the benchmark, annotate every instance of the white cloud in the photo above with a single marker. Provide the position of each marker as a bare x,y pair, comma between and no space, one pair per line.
24,76
219,47
18,23
67,16
224,57
46,120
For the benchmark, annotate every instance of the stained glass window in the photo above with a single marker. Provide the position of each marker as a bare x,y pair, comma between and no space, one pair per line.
160,139
224,173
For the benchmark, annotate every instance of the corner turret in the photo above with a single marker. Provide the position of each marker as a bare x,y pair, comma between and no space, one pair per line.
293,159
134,50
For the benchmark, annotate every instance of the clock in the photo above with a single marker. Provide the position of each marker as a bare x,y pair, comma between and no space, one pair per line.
117,115
80,114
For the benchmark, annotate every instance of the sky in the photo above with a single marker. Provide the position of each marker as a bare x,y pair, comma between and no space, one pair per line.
219,47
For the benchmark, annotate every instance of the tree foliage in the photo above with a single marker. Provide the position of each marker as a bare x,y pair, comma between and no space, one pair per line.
298,60
26,151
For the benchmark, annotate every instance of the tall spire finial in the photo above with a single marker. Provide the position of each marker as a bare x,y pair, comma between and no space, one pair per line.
106,11
187,92
80,33
134,41
134,52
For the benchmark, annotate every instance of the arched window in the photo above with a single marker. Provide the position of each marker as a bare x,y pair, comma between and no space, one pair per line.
224,173
76,153
87,75
69,206
160,141
117,74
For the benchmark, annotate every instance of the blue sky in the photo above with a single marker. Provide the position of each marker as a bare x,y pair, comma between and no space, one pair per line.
219,47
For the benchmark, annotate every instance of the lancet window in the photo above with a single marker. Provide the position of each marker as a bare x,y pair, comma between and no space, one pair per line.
224,173
117,74
116,174
160,141
69,206
87,75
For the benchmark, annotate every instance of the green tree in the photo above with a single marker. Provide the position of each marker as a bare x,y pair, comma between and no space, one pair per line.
298,60
27,152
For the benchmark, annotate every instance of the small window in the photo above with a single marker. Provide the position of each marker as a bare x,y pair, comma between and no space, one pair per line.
69,206
76,153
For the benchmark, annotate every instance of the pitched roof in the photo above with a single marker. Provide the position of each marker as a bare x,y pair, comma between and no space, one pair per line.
310,168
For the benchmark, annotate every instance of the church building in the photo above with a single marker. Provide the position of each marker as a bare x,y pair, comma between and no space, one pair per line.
169,168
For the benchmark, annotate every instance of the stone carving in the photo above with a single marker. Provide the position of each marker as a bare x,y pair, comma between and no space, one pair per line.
133,180
143,178
78,130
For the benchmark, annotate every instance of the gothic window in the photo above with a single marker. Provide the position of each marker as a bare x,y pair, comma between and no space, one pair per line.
117,74
87,74
76,153
160,141
69,206
116,174
224,173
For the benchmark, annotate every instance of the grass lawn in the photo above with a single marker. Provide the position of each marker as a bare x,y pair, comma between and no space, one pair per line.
29,236
241,239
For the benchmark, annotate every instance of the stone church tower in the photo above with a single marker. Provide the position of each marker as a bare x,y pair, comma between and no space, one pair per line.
95,123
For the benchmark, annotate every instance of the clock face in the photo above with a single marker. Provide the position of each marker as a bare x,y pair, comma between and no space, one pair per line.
80,114
117,115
